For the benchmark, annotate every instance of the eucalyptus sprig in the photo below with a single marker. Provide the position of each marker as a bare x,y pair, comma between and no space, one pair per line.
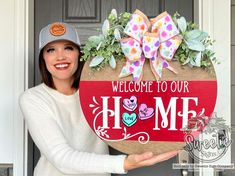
105,48
195,47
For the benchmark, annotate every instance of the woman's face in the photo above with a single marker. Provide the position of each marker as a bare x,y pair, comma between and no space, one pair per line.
61,58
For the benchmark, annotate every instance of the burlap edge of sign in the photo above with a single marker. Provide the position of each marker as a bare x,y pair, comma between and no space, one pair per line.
135,147
183,73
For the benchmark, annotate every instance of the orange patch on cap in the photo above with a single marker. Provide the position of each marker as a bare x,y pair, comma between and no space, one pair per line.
57,29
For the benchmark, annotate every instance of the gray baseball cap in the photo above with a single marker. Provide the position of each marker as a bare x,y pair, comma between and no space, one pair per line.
58,31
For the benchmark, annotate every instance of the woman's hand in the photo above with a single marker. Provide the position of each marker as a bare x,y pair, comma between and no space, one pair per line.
146,159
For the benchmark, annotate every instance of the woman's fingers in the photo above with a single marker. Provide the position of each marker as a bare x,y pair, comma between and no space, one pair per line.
143,157
146,159
133,161
159,158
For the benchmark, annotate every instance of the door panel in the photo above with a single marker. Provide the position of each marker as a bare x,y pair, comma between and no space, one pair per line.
87,16
184,7
81,11
150,7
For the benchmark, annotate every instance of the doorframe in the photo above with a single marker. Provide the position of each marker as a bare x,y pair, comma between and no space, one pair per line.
219,28
24,52
207,14
20,78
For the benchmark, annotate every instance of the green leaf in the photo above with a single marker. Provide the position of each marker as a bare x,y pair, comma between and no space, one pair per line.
112,62
96,61
197,60
182,24
105,27
195,45
194,34
114,13
113,41
98,47
95,39
117,34
186,61
203,36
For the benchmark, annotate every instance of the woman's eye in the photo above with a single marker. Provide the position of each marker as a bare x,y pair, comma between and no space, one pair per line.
69,48
50,50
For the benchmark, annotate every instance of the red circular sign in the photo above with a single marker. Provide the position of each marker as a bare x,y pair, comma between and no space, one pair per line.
155,110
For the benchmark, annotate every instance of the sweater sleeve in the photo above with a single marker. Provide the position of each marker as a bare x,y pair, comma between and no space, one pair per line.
52,143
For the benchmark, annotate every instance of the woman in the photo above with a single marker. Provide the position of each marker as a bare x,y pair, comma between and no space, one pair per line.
55,120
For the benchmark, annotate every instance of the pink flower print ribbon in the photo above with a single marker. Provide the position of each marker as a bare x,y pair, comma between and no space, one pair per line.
137,25
158,46
169,47
131,49
134,68
164,25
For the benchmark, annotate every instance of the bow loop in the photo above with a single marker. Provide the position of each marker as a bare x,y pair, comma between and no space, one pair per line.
164,24
158,46
137,25
168,48
131,49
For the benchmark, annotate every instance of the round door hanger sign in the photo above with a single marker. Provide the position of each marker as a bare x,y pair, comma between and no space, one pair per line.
148,114
157,92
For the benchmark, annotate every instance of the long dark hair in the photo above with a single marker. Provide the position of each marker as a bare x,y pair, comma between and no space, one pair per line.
46,75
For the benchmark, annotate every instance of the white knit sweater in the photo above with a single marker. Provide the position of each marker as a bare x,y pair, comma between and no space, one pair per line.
66,142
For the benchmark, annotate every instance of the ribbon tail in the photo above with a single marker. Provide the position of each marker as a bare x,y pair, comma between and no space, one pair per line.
172,69
156,66
124,72
167,66
156,75
135,68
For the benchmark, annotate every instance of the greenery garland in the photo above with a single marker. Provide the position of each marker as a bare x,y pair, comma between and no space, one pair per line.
195,47
105,48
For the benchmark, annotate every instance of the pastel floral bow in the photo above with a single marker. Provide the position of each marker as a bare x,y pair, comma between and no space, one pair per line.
159,45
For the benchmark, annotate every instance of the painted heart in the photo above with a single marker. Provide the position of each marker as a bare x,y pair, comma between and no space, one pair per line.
130,104
129,119
165,65
145,112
